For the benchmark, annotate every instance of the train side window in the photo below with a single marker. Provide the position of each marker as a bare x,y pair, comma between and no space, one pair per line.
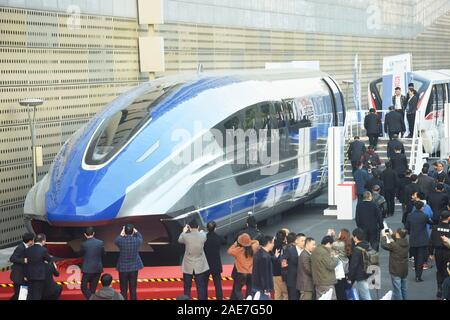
250,118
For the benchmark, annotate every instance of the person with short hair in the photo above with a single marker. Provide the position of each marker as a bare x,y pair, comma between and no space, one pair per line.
243,251
361,177
398,247
323,264
368,218
36,269
194,263
426,183
129,242
441,175
440,248
370,159
410,189
394,143
280,287
411,109
399,162
92,250
212,251
19,261
305,283
106,292
355,151
262,276
296,243
416,224
393,123
379,200
390,181
438,201
357,274
372,123
399,101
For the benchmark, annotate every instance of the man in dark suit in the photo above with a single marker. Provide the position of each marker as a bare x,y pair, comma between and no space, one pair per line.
410,189
305,282
19,261
129,241
416,224
361,177
394,143
411,109
212,252
290,255
438,201
399,101
393,123
92,251
36,267
441,175
372,124
426,183
52,290
390,182
262,276
355,152
399,162
368,218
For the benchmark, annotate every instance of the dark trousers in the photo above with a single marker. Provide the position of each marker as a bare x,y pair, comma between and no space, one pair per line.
201,282
217,279
128,281
35,289
241,280
373,139
340,288
411,120
293,293
391,134
419,254
89,283
354,166
53,296
442,256
390,201
373,237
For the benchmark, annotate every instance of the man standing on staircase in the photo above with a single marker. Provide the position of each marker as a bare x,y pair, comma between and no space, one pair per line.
411,109
372,124
355,151
361,177
392,144
393,123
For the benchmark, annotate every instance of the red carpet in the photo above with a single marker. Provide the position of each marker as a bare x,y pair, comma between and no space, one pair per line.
154,283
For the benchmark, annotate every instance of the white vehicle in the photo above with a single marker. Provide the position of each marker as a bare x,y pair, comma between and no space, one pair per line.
433,89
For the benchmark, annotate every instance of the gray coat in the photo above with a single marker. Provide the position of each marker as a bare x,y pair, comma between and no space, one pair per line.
194,259
304,273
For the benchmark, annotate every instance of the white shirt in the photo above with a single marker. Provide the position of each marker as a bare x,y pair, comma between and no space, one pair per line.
398,103
299,251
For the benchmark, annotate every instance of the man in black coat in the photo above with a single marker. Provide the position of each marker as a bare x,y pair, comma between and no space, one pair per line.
438,201
410,189
262,276
19,261
441,175
426,183
393,123
52,290
416,224
393,144
411,109
372,124
356,270
355,152
399,162
402,183
399,101
390,181
212,252
92,251
290,255
369,219
36,268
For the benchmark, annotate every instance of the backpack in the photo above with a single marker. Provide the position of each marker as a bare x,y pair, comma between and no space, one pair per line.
370,258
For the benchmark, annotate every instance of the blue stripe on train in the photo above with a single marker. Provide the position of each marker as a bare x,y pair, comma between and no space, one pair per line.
247,201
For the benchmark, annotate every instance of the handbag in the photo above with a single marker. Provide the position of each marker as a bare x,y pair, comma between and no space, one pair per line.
23,293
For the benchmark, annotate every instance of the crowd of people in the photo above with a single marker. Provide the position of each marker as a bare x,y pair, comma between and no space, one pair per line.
35,269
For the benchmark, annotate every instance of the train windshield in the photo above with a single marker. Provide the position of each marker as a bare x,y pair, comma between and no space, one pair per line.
116,131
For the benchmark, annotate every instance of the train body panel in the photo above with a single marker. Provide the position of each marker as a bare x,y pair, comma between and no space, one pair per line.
159,153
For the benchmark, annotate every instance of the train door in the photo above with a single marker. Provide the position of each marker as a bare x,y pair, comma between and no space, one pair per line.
338,102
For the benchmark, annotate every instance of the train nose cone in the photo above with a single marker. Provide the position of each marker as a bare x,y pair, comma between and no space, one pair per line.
85,197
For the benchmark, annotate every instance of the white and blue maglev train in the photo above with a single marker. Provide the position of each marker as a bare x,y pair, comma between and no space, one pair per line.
137,161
